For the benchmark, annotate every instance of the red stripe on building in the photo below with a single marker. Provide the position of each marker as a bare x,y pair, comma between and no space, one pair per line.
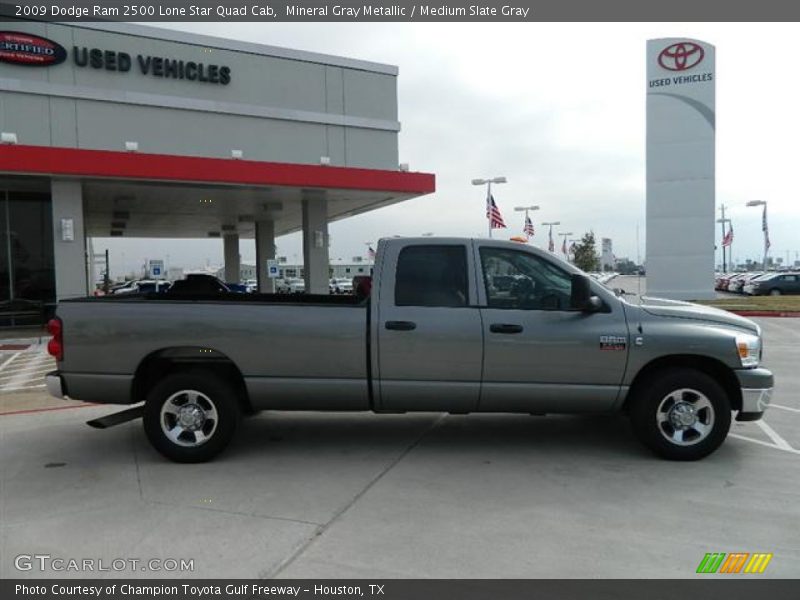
75,162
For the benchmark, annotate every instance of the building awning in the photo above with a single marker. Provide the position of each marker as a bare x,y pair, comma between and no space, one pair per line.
133,194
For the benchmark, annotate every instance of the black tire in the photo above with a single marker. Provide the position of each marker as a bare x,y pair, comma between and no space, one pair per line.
675,394
204,398
775,292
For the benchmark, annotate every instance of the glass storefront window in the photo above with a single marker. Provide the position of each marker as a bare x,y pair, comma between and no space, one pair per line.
27,271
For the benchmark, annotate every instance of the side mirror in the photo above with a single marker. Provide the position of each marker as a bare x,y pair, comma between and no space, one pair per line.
581,295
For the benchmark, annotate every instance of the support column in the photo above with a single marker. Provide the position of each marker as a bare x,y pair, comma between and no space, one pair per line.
265,250
69,239
232,258
315,245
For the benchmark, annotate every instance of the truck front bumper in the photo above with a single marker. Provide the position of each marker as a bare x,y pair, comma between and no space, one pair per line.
55,387
757,386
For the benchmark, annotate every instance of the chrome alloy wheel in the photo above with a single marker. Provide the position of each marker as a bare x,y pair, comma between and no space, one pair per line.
189,418
685,417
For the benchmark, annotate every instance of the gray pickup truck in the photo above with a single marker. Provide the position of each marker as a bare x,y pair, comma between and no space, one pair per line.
450,325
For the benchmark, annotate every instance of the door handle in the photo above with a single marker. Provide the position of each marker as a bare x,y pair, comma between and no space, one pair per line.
401,325
505,328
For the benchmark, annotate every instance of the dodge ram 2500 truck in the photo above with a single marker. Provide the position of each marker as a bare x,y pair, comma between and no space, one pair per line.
450,325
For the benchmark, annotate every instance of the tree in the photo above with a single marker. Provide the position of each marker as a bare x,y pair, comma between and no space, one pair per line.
585,253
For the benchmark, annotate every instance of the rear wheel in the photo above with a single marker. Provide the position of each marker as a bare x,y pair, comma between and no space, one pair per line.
775,292
191,417
681,414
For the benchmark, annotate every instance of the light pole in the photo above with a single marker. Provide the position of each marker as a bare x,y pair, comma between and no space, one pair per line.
764,227
488,183
550,245
527,209
564,248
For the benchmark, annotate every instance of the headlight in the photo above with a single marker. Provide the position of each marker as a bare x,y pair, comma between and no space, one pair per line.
749,349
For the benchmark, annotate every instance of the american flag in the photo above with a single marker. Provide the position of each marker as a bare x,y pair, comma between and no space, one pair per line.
765,229
728,239
550,245
493,214
528,230
370,253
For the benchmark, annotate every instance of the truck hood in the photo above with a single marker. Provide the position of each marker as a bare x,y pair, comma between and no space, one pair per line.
661,307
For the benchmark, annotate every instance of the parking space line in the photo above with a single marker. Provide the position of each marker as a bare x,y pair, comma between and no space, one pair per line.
22,388
9,361
26,369
789,408
763,443
773,435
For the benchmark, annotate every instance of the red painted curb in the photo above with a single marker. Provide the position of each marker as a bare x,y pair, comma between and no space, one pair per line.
39,410
766,313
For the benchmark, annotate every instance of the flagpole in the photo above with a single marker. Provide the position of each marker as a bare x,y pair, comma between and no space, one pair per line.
766,236
764,227
488,200
488,183
722,225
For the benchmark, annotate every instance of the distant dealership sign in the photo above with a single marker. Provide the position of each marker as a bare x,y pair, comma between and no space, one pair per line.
31,50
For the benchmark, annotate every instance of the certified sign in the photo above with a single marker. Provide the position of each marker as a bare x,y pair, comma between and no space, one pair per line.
30,50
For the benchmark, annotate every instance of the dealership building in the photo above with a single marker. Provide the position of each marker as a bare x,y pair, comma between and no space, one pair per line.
117,130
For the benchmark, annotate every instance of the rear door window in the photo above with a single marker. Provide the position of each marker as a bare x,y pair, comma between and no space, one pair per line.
431,276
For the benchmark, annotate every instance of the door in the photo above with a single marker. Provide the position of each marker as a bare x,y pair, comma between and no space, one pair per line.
539,354
429,334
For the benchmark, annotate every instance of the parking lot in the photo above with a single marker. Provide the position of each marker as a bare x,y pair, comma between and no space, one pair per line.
361,495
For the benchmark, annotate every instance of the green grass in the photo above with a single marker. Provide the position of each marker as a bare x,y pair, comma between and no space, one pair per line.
768,303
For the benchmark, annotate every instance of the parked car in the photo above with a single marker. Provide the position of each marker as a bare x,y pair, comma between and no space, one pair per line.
737,285
775,285
432,337
291,285
158,287
198,283
141,286
341,285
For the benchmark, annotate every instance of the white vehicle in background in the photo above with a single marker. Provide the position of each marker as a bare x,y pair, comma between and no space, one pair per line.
290,285
132,287
251,286
341,285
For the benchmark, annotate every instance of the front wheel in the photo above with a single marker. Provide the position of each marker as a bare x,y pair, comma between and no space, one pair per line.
681,414
191,417
775,292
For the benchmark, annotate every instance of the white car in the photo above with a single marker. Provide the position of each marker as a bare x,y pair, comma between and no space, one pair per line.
341,285
133,286
291,285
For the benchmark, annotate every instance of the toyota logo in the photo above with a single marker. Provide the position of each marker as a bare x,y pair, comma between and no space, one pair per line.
681,56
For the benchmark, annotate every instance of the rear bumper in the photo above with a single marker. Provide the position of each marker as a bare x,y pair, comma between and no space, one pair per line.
55,386
90,387
757,386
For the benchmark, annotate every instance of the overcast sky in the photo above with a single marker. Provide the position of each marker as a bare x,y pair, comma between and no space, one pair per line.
559,109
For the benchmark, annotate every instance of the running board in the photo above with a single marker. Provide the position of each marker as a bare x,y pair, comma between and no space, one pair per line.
117,418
